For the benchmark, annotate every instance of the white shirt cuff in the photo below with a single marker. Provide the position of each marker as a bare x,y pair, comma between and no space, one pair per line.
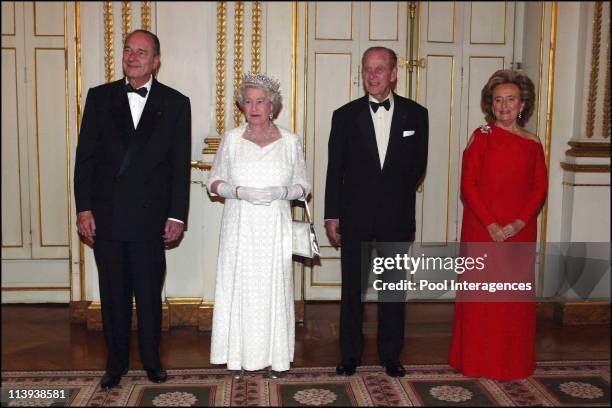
174,219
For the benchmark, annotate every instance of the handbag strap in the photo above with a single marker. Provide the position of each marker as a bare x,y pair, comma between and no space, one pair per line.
307,211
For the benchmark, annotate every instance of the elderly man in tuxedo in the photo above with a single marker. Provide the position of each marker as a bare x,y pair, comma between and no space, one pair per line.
131,182
377,157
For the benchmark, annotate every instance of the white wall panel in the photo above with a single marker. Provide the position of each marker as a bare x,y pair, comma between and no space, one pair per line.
479,71
12,234
49,18
51,159
488,22
436,189
333,20
8,18
383,22
441,21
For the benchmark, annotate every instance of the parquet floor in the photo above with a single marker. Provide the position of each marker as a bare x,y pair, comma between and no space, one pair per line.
41,337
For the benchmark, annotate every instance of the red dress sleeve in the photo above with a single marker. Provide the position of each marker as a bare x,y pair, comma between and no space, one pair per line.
539,187
470,170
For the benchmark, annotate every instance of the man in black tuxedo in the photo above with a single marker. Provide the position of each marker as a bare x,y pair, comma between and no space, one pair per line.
377,158
131,185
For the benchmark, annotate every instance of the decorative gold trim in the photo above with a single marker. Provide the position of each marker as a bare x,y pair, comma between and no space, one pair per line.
109,42
33,288
68,148
548,133
196,164
256,37
212,143
540,66
567,183
605,129
184,301
588,149
505,25
126,19
418,50
586,168
294,51
238,57
442,42
397,15
592,101
78,101
145,15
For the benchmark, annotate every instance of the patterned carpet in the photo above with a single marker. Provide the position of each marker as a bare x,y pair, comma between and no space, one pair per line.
577,383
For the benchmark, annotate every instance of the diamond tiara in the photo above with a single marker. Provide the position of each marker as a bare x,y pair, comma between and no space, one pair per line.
261,80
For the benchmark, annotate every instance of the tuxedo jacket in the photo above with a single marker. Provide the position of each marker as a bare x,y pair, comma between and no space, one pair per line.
133,180
375,203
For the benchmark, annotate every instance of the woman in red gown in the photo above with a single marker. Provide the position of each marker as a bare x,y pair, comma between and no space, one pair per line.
503,186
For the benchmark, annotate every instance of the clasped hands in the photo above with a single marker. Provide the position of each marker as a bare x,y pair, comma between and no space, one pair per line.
499,234
260,195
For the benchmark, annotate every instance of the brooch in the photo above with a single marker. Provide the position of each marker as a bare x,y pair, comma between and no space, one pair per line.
485,128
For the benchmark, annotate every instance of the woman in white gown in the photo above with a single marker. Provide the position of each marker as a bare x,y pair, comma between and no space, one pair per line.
259,168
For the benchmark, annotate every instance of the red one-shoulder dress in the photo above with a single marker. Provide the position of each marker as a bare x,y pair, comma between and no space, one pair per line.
503,178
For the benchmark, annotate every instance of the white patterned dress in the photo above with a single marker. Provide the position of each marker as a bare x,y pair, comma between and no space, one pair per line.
253,318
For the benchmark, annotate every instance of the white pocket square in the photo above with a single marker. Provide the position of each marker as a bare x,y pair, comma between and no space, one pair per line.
408,133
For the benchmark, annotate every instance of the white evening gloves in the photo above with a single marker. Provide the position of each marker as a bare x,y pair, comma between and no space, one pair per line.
260,196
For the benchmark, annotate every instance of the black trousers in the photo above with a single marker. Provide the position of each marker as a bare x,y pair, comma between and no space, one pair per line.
127,269
391,306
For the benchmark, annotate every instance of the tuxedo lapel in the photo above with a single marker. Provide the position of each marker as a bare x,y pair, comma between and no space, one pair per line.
366,126
121,114
147,125
398,119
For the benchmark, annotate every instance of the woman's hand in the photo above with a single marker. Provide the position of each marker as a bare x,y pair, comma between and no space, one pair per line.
513,228
496,232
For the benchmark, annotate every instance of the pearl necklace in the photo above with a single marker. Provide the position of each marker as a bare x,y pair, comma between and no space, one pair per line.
252,136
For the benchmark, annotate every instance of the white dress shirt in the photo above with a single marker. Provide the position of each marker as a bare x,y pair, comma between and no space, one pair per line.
137,104
382,126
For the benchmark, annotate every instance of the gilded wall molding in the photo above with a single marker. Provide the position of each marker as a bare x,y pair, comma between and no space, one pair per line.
109,42
213,142
238,57
592,101
606,104
145,15
585,168
256,37
588,149
126,19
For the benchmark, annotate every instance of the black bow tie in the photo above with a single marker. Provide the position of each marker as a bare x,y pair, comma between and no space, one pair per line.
375,105
140,91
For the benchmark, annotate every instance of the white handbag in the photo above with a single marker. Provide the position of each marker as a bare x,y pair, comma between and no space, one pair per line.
305,241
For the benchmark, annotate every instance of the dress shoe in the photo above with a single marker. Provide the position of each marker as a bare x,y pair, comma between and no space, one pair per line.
157,376
237,374
347,369
111,380
273,375
395,370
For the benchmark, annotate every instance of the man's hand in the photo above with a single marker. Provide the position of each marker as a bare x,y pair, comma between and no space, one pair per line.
496,232
332,227
173,231
86,226
513,228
